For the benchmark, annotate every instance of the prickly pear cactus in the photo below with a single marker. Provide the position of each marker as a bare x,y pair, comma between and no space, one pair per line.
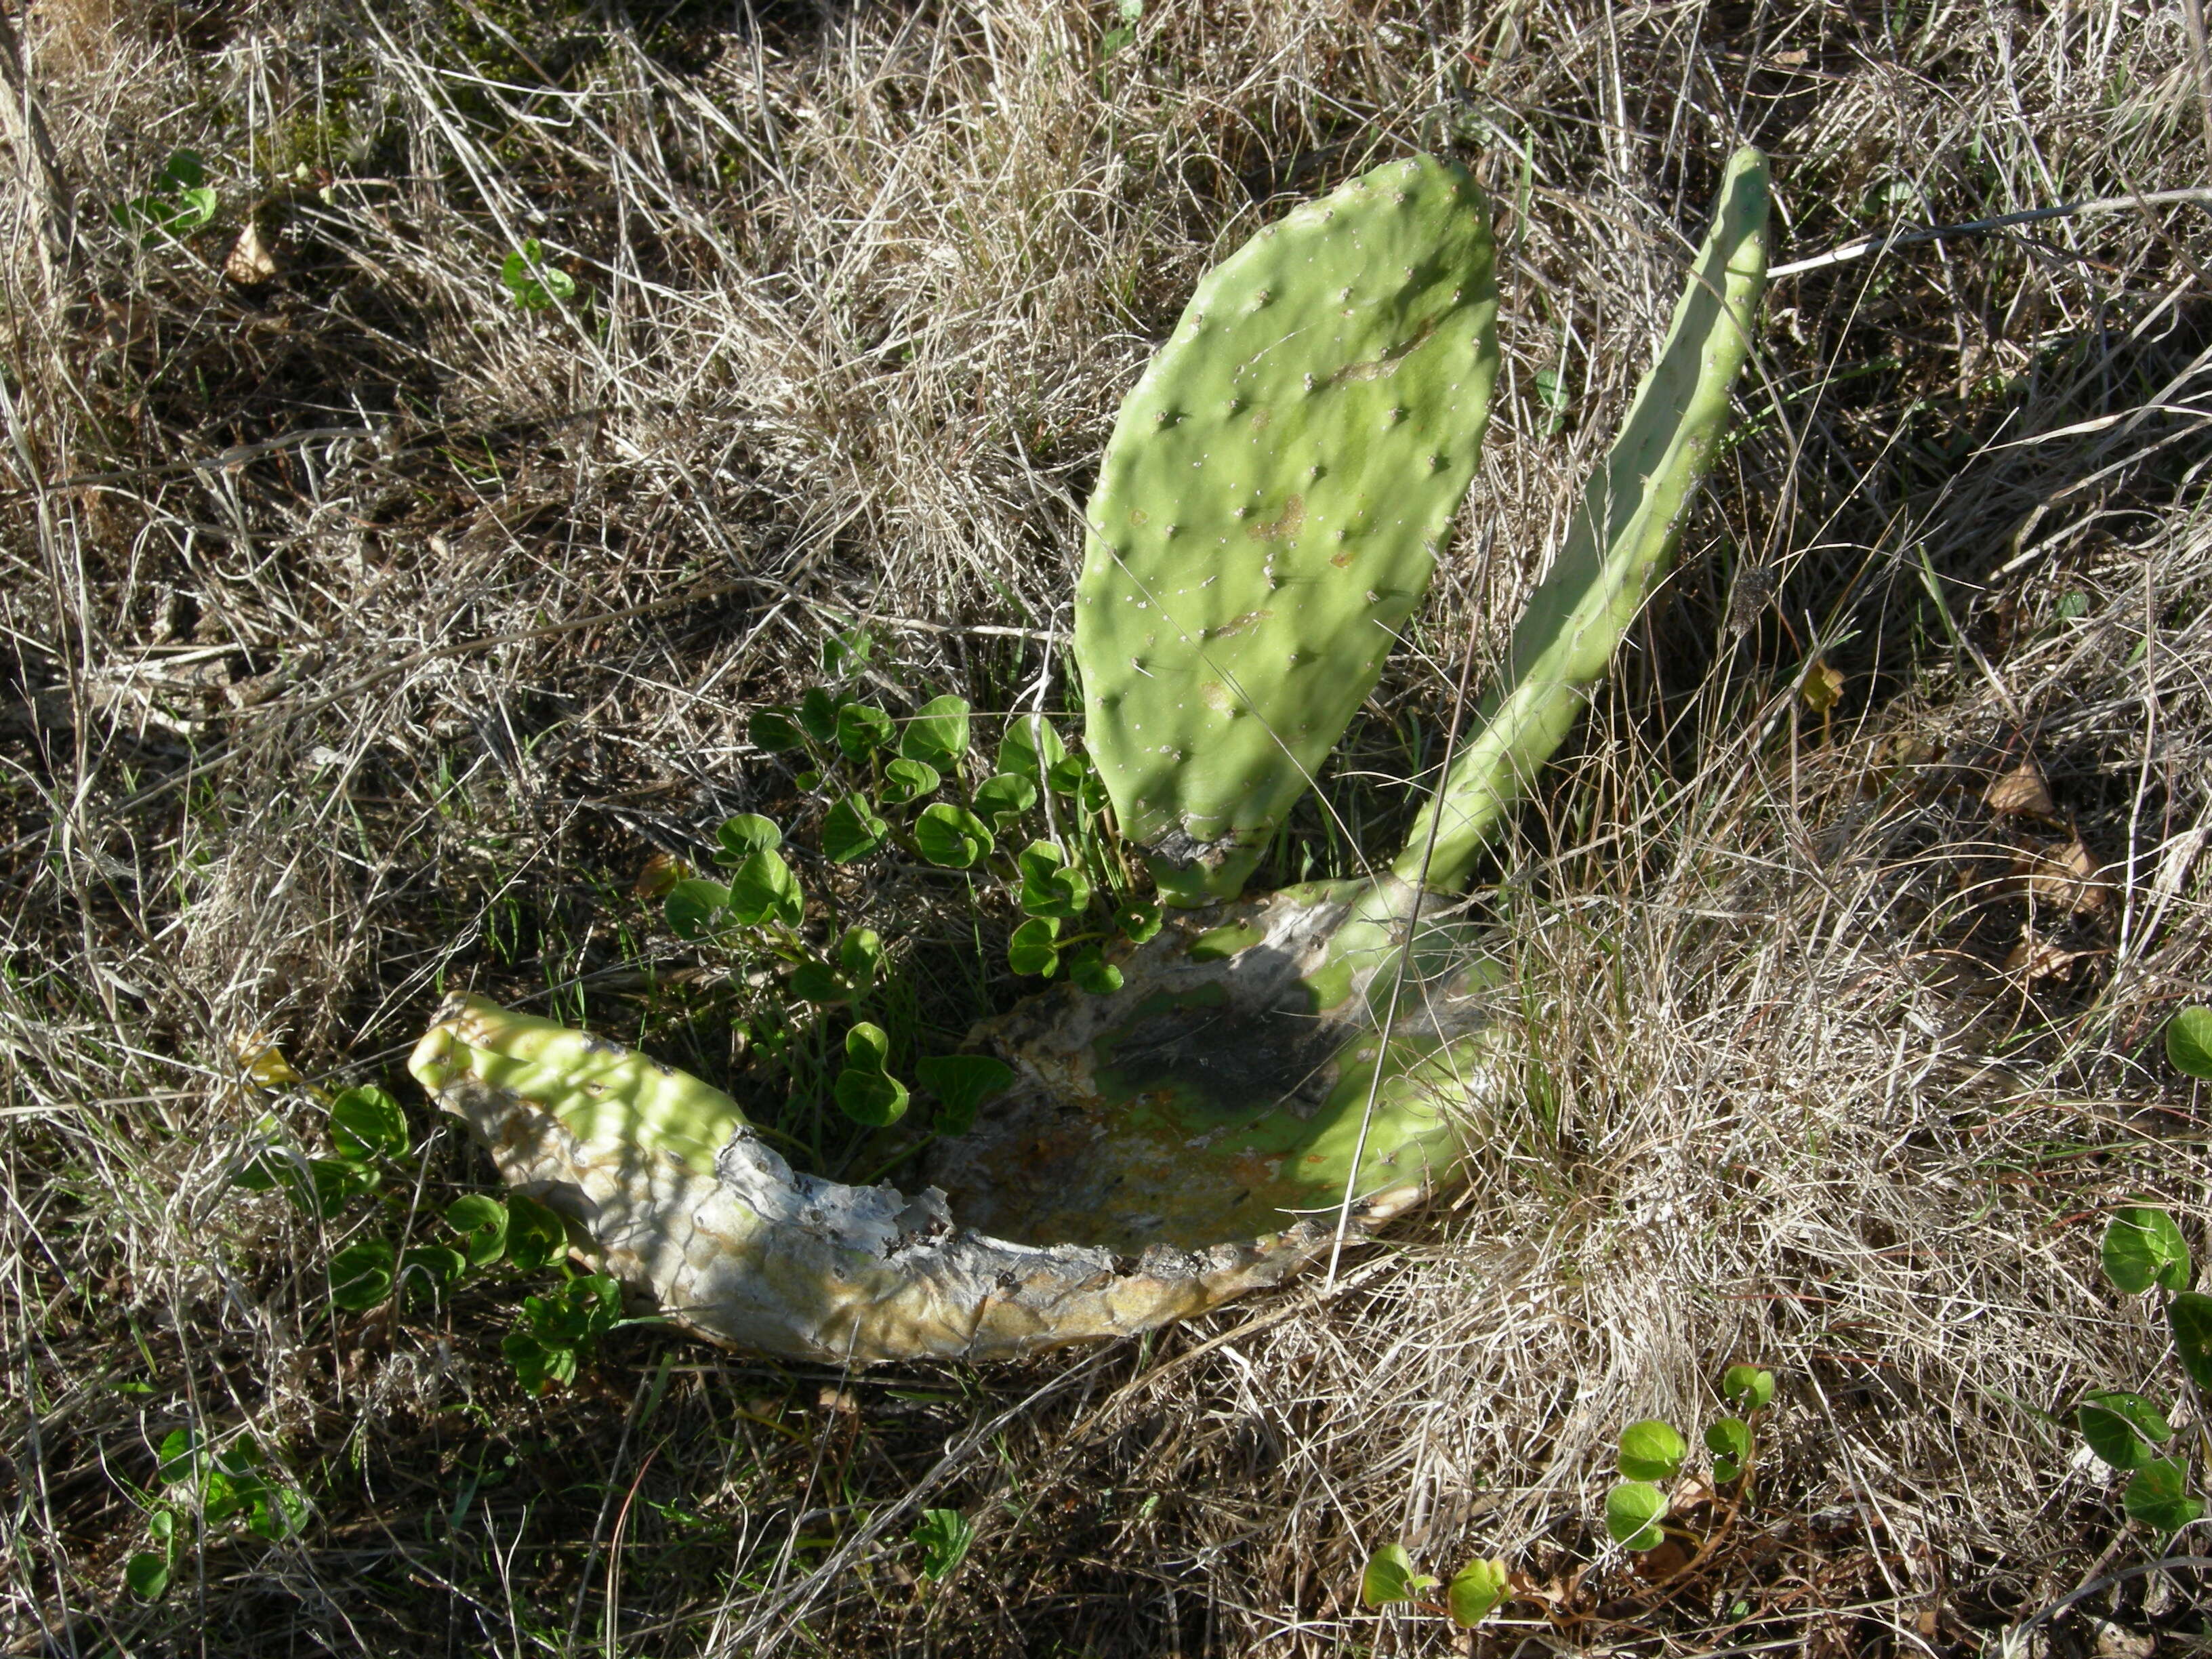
1270,509
1274,1073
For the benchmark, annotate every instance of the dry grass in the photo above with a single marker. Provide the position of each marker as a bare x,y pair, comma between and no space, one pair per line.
299,729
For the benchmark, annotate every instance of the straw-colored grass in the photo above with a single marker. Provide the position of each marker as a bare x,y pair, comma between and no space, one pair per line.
362,636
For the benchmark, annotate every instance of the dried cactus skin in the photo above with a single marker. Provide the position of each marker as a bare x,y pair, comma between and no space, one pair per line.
1618,543
1270,508
746,1253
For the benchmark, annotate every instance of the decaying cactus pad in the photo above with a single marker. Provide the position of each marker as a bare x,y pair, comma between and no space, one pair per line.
737,1247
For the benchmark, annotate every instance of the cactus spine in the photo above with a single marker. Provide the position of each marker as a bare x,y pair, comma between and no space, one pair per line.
1270,508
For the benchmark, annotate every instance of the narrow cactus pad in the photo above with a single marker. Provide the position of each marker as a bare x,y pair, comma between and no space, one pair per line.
1270,509
1619,542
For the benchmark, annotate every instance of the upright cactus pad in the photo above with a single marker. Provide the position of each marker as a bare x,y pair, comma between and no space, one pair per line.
1617,544
1270,508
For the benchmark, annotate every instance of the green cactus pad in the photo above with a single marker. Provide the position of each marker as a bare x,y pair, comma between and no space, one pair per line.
1619,542
1270,509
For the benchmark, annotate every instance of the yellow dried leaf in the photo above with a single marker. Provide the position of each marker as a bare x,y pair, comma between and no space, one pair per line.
263,1061
659,873
1822,688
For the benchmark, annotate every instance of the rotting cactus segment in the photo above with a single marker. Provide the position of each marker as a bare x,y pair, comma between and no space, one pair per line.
748,1252
1268,511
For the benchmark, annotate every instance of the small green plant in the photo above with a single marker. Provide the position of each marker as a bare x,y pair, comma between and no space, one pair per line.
531,281
2189,1042
2144,1253
1128,13
225,1488
1652,1453
369,1138
1476,1590
943,1536
180,203
1026,832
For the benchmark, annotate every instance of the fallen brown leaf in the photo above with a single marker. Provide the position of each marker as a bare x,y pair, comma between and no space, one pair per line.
2021,792
250,263
2064,873
2037,958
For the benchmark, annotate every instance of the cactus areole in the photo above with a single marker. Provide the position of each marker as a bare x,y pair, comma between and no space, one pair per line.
1273,1071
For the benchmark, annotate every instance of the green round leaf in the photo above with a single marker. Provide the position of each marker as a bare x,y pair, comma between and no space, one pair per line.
962,1083
433,1266
361,1274
1066,774
862,728
2143,1248
2159,1495
818,714
147,1576
1030,748
817,983
2189,1316
1004,797
1749,1387
1050,885
367,1122
1728,1440
536,1237
2125,1430
1476,1590
1031,950
943,1536
1138,921
744,834
774,730
1090,970
907,781
481,1220
952,837
851,831
871,1097
2189,1042
868,1047
1389,1577
179,1456
846,655
539,1365
764,889
184,170
860,954
694,907
280,1513
1633,1510
1651,1450
937,732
